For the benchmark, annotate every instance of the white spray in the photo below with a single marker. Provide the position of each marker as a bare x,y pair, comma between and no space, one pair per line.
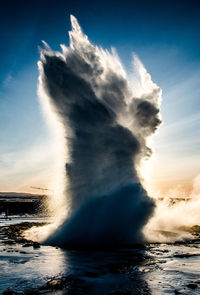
106,121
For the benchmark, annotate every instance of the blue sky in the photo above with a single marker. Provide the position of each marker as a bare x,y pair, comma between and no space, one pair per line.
166,37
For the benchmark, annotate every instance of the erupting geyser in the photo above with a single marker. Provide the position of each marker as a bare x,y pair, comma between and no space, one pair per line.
106,120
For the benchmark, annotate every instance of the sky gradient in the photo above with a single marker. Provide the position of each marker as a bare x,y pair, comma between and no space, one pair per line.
165,36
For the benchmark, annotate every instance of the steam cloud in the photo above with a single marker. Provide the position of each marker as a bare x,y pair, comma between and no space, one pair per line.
106,121
173,221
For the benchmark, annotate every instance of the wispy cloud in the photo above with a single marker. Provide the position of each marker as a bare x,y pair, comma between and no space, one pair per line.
18,167
7,81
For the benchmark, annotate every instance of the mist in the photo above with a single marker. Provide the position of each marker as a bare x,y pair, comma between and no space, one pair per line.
106,119
176,213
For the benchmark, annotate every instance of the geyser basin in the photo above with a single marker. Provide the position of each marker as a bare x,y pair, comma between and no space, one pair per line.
106,122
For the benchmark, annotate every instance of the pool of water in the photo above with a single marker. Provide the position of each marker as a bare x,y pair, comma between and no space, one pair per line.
154,269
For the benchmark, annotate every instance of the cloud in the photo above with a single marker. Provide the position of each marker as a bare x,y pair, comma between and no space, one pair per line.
20,168
7,81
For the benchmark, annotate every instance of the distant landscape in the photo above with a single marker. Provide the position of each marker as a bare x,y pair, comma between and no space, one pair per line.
12,203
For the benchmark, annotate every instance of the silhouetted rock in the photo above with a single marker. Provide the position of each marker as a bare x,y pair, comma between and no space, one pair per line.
192,285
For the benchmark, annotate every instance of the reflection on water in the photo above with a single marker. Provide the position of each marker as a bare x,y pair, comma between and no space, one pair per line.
15,219
22,267
155,269
97,273
176,268
25,268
